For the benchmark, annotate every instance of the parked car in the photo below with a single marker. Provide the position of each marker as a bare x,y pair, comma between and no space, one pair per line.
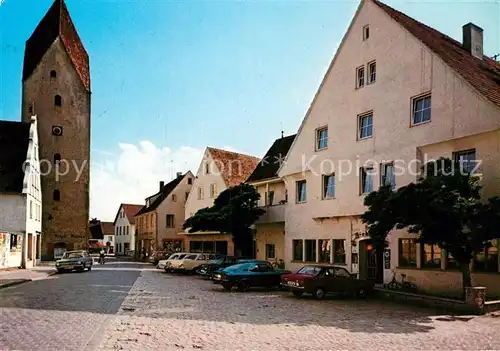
74,260
173,263
208,269
319,280
249,274
163,263
192,261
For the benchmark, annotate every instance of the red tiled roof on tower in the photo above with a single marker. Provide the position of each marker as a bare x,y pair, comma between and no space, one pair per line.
234,167
483,75
55,24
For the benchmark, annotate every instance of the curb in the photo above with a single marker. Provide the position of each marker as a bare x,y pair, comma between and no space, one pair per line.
14,283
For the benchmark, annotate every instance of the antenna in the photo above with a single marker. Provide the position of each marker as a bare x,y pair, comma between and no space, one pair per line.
281,124
495,57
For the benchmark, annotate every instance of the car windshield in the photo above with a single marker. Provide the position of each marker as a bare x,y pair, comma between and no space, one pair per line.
309,270
72,255
180,257
219,261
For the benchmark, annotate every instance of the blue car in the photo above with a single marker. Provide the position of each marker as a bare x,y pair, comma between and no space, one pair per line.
251,274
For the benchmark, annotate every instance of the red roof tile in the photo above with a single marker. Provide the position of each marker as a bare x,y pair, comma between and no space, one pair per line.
235,168
56,23
108,228
483,75
130,211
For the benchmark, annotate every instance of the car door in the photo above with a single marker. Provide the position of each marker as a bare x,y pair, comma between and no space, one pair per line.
326,280
267,275
343,280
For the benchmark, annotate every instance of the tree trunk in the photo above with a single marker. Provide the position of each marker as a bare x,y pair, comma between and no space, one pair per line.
466,277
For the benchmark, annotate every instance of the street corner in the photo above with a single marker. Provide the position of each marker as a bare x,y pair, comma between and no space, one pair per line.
6,283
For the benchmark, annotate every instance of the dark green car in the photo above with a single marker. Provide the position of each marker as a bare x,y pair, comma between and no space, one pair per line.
74,260
250,274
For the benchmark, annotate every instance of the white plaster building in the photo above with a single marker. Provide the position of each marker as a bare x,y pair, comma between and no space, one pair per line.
125,229
20,195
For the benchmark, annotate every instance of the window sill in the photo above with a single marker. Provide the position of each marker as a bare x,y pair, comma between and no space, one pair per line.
323,149
329,198
300,202
365,138
420,123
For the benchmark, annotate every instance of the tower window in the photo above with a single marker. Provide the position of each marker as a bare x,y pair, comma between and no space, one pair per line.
57,158
53,74
57,195
58,100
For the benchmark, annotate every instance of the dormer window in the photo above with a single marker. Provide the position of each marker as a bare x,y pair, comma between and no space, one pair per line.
366,32
58,100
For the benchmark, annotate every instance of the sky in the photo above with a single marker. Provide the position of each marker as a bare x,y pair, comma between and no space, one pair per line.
172,77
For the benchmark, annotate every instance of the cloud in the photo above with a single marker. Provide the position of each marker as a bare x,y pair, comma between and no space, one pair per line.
134,174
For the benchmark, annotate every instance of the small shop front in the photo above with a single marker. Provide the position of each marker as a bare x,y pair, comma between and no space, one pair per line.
215,243
11,250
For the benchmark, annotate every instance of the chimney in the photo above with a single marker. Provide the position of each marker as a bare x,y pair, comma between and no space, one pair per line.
162,185
179,174
473,40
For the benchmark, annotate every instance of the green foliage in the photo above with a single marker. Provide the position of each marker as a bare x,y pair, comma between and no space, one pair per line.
443,207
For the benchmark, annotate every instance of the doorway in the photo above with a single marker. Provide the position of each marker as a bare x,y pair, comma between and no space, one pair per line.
370,262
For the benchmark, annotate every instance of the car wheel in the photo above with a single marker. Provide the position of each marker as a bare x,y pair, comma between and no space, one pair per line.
297,293
319,294
60,271
227,286
361,292
243,286
90,268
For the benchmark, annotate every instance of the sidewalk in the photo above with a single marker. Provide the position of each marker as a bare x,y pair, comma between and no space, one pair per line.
19,276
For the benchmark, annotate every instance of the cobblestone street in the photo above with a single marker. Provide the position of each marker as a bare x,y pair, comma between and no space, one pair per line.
134,307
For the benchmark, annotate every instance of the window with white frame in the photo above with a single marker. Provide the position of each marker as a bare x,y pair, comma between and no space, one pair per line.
372,72
360,77
365,125
329,186
387,175
466,160
200,193
366,180
174,198
322,138
270,251
421,109
301,191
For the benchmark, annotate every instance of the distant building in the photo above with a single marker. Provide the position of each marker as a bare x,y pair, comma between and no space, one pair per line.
102,235
125,229
218,171
20,195
160,220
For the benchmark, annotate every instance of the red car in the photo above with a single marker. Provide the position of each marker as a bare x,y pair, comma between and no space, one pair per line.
319,280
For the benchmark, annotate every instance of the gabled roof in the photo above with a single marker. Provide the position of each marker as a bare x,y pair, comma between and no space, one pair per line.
268,167
130,211
483,75
55,24
233,167
14,142
167,189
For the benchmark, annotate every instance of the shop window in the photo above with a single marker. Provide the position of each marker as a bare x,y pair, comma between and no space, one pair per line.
297,250
339,251
310,250
325,247
487,259
431,256
407,253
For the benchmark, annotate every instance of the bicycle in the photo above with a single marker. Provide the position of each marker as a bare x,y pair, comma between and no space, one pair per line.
403,285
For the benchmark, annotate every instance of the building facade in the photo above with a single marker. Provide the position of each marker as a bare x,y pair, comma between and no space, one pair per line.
125,229
20,195
162,217
56,87
397,94
218,171
270,227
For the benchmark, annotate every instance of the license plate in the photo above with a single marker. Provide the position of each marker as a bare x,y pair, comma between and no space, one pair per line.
290,283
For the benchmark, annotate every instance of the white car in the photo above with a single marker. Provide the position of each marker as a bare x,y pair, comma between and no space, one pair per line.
192,261
174,261
163,263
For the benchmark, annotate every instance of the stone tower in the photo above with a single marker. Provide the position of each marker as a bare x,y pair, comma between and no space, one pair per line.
56,87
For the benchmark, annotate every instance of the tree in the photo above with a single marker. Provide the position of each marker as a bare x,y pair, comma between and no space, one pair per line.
443,208
234,211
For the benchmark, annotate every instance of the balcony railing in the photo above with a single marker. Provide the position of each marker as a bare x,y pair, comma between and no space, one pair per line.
274,214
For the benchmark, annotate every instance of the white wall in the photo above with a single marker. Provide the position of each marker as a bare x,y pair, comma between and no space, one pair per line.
12,213
123,236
